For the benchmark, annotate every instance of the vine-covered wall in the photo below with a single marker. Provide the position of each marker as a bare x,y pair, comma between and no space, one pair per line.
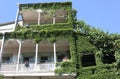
103,51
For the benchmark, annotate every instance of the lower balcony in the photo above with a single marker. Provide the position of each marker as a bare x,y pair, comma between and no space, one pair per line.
43,69
40,57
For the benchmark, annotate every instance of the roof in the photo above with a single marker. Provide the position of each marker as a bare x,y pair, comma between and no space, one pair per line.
7,23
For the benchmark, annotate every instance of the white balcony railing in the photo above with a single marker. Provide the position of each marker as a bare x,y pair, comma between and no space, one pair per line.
47,66
31,67
8,67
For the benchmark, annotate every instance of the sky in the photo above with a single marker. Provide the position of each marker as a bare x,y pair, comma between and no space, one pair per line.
102,14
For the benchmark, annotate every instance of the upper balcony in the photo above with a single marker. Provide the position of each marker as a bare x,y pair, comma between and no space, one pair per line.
43,14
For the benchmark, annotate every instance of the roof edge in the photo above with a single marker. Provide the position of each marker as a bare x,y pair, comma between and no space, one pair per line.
7,23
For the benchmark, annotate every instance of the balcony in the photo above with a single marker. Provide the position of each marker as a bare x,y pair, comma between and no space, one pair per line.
32,67
39,69
41,57
45,13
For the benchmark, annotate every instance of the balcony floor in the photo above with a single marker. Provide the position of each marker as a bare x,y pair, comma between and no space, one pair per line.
28,73
41,77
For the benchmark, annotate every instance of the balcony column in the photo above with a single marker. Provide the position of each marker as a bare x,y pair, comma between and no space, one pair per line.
17,16
19,53
53,19
2,49
39,18
55,57
39,15
36,56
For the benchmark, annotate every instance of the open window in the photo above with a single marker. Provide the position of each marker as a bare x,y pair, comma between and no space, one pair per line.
63,50
108,58
44,59
6,59
88,60
61,56
28,57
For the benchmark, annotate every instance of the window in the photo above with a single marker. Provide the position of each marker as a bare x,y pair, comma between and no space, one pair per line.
88,60
108,58
43,59
28,59
6,60
63,55
60,58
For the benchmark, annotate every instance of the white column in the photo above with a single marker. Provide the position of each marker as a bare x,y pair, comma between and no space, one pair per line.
1,51
39,15
36,56
39,18
54,19
55,58
19,52
17,16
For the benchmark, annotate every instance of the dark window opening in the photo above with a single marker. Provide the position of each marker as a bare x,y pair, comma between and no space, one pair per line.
26,59
88,60
44,59
5,59
108,58
61,56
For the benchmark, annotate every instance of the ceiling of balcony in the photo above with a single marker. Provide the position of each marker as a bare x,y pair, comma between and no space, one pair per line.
29,46
46,16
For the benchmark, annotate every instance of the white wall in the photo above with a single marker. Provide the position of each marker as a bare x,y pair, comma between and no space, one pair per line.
7,28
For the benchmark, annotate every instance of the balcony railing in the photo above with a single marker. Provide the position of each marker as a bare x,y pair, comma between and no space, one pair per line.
8,67
39,67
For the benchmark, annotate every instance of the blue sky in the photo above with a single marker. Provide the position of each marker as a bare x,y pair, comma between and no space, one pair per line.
102,14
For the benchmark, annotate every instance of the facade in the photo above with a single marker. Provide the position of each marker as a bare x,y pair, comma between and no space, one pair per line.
47,42
36,41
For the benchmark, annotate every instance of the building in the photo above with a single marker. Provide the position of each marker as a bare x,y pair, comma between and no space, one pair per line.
47,42
38,39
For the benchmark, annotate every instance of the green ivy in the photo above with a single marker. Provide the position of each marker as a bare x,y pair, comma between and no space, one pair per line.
67,67
1,77
54,5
